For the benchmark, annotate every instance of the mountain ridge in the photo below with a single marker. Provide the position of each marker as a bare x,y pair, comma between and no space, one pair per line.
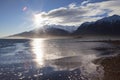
105,26
43,32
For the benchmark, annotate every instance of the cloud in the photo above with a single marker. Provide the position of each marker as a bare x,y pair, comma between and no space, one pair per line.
74,15
85,2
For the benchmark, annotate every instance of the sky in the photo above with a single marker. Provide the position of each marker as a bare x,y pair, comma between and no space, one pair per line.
23,15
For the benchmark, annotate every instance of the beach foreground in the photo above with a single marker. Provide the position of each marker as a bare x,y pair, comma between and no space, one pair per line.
59,59
111,68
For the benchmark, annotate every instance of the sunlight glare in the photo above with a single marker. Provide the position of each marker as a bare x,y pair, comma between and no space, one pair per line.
38,50
38,20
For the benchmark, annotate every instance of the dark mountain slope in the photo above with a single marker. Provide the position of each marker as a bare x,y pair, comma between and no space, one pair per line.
45,32
106,26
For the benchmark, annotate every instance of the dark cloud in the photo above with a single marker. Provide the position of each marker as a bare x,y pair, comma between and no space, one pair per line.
66,12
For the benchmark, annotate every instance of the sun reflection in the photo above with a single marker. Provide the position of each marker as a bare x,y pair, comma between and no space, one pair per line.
38,50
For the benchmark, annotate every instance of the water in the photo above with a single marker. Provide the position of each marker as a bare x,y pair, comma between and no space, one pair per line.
53,59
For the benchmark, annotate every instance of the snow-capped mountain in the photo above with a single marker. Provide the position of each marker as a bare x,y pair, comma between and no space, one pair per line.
67,28
111,19
106,26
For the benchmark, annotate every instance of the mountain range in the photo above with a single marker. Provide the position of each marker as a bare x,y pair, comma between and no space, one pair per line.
43,32
105,26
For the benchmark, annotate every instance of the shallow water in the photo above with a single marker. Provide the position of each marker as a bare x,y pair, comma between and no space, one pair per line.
53,59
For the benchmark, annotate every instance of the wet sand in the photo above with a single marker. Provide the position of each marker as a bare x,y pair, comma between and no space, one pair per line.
111,67
111,64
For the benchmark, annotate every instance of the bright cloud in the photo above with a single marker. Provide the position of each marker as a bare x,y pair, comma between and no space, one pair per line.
74,15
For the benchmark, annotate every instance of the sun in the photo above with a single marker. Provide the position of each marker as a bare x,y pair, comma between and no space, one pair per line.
38,20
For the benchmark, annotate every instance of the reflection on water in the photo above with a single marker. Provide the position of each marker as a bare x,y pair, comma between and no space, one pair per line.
38,50
64,55
53,59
